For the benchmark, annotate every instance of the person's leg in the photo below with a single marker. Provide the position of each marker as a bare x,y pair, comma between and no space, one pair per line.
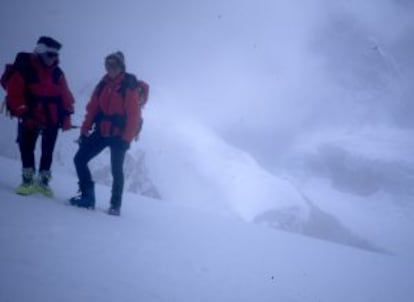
88,149
49,137
26,139
117,165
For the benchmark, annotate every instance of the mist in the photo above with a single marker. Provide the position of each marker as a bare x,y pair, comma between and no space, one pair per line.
254,62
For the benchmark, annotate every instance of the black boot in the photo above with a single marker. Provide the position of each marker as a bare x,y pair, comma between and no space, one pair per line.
115,208
114,211
86,198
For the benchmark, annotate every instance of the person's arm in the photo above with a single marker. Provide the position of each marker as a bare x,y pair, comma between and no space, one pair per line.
67,103
91,111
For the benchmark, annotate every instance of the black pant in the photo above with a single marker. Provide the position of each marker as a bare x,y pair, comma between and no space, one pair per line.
90,148
27,138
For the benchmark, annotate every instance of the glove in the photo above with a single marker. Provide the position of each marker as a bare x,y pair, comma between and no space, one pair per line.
20,111
82,139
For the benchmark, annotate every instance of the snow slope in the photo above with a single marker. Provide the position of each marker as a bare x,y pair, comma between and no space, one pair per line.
364,178
184,162
159,251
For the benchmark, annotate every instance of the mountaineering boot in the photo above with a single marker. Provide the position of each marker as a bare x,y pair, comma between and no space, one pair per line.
115,208
27,186
86,198
43,183
114,211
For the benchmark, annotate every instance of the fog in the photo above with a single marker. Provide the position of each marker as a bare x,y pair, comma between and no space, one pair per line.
254,61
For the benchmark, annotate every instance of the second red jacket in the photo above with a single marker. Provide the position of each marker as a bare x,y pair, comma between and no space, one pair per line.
113,113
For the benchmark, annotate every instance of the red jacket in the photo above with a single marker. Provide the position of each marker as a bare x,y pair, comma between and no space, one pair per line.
112,113
41,95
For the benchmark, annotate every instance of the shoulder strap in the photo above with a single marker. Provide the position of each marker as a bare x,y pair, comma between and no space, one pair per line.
56,74
99,87
129,82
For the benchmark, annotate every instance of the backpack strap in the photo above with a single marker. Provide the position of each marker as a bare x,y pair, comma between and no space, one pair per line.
99,88
56,74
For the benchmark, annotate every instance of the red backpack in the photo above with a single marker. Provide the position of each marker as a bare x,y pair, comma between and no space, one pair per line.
8,72
20,64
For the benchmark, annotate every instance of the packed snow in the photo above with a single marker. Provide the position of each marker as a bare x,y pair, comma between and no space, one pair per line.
157,251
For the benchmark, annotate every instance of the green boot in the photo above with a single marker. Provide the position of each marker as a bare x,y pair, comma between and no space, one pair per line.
42,184
27,186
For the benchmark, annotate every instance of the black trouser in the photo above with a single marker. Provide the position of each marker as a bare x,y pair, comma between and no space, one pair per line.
27,138
90,148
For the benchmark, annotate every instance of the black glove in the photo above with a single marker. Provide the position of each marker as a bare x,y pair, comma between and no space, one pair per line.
82,139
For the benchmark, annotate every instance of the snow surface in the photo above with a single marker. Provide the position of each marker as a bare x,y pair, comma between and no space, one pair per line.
158,251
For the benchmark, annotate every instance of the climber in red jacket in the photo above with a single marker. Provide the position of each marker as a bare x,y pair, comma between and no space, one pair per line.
38,95
113,119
